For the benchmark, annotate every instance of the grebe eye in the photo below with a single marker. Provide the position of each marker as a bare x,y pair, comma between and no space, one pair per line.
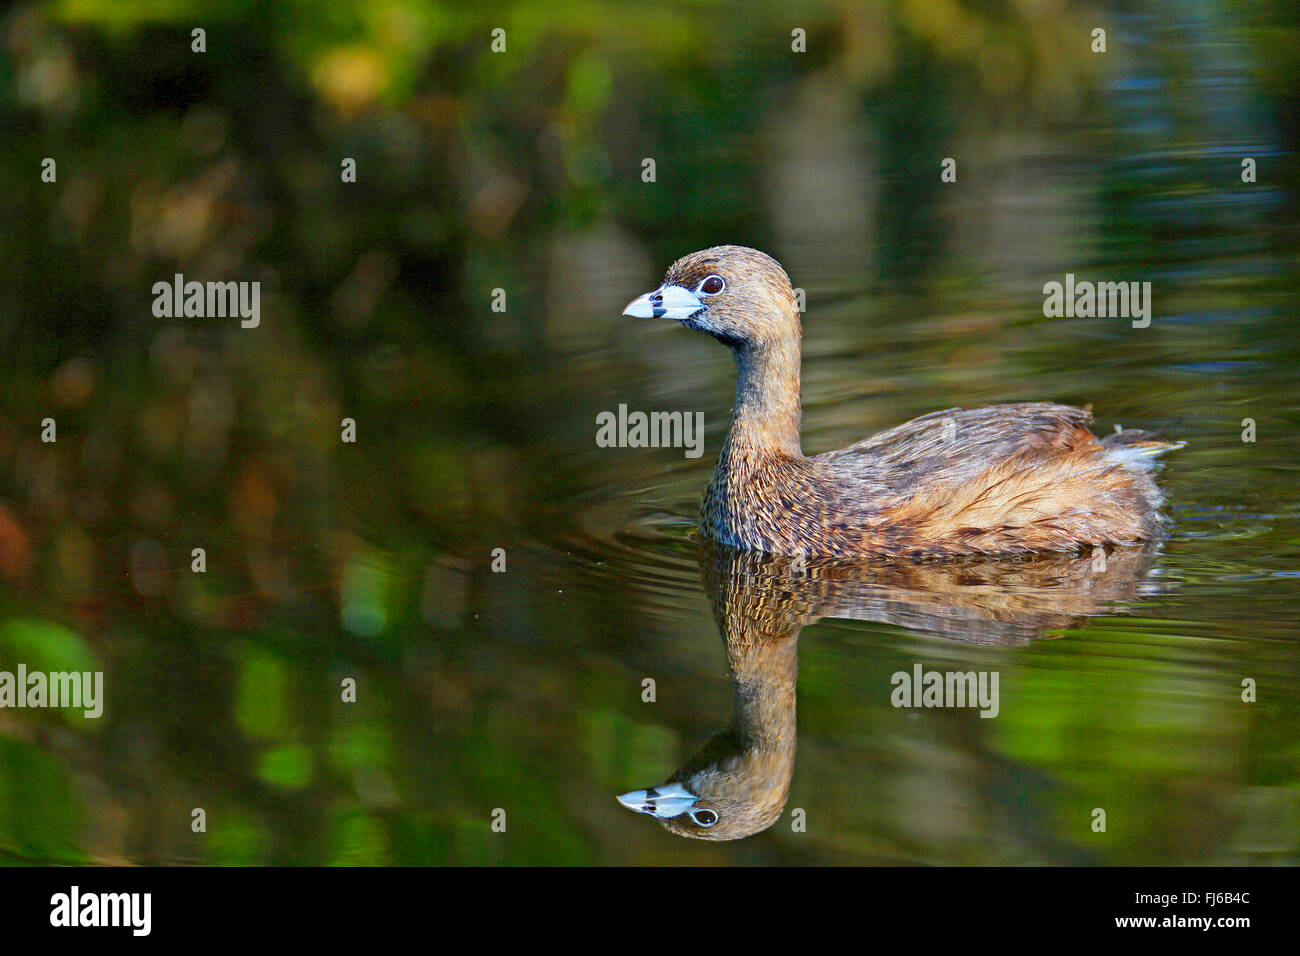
712,285
704,817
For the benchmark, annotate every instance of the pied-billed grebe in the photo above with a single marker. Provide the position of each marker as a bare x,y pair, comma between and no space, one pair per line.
1001,479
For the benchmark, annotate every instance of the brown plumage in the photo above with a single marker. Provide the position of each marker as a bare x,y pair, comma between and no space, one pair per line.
1000,479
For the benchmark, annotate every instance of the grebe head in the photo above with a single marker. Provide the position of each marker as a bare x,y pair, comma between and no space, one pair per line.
740,296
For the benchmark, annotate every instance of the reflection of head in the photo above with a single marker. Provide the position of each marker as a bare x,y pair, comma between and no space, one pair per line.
738,783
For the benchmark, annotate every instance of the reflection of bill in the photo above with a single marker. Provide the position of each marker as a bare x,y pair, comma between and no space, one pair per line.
738,783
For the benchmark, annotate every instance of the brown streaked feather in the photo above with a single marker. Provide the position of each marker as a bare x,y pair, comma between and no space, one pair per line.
1007,479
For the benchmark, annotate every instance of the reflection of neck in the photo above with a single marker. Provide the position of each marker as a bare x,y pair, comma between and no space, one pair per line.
766,416
764,670
764,685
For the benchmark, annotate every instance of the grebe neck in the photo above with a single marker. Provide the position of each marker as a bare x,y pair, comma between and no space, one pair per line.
767,411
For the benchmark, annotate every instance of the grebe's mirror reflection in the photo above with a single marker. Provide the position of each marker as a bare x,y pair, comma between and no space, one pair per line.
737,784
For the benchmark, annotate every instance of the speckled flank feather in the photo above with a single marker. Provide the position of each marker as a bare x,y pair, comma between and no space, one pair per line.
999,479
1009,479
